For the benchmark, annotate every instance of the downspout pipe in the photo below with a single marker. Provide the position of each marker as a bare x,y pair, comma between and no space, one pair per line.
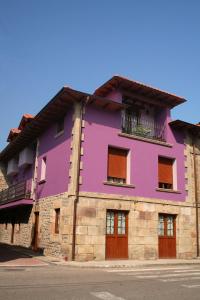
196,193
83,104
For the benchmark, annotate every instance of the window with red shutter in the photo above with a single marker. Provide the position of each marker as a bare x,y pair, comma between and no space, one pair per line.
117,165
165,172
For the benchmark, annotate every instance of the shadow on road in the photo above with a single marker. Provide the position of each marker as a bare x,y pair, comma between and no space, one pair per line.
10,252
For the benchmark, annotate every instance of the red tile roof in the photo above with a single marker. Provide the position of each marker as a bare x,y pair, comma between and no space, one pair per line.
26,118
13,134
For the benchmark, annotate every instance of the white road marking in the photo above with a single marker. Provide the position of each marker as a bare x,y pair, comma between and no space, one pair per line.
180,279
183,271
191,286
166,275
144,270
106,296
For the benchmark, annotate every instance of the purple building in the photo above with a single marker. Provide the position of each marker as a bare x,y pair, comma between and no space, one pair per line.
103,176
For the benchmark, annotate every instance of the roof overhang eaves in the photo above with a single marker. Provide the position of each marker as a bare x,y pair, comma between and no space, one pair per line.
119,82
55,107
182,125
37,125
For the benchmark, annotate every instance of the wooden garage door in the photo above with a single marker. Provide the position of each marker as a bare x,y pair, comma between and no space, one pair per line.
167,236
116,234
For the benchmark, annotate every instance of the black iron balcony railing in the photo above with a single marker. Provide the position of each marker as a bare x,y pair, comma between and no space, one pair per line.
143,128
15,192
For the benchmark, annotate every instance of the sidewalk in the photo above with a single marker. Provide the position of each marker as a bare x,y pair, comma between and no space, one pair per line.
15,256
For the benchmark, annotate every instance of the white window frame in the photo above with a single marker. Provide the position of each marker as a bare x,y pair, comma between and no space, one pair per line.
43,169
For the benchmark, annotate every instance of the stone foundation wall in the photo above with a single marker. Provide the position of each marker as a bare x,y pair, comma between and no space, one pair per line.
53,244
91,226
142,227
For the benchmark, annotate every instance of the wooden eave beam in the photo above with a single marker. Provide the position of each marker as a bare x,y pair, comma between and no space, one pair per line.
135,96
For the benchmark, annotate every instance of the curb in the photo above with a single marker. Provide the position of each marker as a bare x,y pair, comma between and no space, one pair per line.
9,266
125,266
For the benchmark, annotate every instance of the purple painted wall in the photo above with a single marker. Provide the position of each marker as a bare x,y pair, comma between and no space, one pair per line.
115,96
102,129
57,152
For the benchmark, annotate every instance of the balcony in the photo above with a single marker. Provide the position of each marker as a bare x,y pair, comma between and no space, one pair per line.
143,128
15,192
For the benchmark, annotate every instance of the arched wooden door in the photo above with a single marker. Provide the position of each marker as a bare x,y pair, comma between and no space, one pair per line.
116,234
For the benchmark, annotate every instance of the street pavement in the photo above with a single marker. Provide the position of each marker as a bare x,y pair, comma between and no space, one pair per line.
23,277
61,282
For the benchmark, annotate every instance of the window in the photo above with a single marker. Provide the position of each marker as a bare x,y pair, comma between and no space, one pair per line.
166,225
43,169
110,222
116,222
131,120
165,173
57,220
60,125
161,226
117,165
121,223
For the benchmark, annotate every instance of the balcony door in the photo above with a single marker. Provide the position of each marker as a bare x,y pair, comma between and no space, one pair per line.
116,234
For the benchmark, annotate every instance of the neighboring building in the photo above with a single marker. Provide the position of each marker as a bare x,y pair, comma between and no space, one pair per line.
103,176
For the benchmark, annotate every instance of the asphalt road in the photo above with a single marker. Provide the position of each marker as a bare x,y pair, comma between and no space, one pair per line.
61,282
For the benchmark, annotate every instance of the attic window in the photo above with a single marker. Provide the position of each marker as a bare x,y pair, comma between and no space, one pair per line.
60,126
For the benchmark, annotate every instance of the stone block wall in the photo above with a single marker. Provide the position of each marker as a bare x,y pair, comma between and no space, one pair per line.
91,226
58,245
142,228
55,244
189,174
23,227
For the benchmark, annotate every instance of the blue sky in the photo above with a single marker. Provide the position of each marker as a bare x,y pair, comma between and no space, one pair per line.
47,44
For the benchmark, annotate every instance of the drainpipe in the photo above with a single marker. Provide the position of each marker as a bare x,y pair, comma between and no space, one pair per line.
83,104
34,180
196,194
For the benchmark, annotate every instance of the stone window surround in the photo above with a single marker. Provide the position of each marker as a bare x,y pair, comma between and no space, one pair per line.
56,237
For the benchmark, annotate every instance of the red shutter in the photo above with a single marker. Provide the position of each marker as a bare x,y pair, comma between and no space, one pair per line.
117,163
165,170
